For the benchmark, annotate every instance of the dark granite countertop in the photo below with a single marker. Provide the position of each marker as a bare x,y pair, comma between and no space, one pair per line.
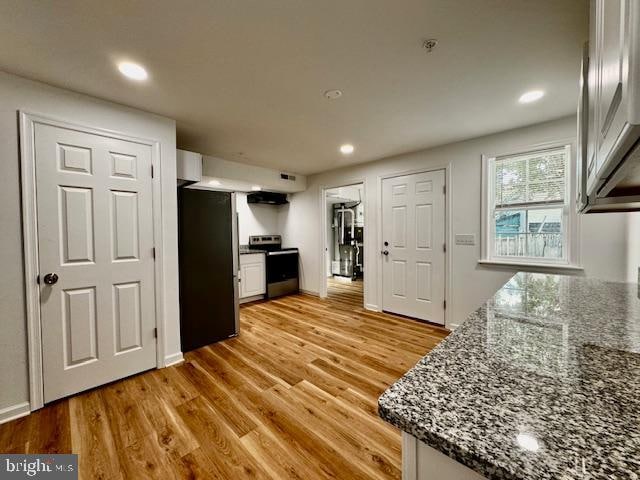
541,382
245,250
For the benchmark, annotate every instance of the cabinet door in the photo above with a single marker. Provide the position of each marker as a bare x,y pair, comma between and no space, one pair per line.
583,134
241,292
253,279
592,95
611,116
252,275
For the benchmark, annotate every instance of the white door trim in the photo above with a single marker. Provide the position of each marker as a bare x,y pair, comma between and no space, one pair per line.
447,232
322,290
30,240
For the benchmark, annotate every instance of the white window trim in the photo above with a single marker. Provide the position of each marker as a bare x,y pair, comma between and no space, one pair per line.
571,262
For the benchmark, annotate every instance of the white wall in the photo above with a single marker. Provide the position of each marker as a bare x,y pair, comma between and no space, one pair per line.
255,219
19,94
603,237
633,246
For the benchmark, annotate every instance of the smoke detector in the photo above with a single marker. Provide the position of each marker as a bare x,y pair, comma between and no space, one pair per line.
429,44
332,94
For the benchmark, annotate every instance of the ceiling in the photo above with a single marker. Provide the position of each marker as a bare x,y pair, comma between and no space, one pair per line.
244,79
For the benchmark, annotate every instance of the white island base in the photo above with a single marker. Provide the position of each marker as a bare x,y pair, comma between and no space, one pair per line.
422,462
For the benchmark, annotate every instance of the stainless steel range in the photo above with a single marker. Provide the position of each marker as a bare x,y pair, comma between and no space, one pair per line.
282,264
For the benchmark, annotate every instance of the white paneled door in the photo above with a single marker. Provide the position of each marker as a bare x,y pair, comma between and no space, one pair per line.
95,243
413,248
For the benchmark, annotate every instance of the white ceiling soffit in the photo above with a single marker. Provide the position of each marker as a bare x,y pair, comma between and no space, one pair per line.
244,79
254,176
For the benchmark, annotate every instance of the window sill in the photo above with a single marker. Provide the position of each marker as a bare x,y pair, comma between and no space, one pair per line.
528,266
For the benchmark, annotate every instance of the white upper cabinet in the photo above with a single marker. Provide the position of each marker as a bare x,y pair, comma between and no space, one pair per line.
611,110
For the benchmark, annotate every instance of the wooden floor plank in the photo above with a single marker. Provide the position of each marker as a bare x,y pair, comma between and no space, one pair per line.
293,397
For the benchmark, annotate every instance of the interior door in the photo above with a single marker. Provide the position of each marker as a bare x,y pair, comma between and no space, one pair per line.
413,235
95,242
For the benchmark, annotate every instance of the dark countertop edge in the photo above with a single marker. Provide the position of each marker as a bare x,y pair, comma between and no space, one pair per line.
244,251
484,467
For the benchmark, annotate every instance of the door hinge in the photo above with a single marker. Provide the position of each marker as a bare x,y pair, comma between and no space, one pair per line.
38,279
153,252
444,304
155,332
151,171
444,247
444,189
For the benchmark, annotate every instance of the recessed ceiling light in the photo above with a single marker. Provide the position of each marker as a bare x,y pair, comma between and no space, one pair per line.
256,188
531,96
347,149
133,71
215,183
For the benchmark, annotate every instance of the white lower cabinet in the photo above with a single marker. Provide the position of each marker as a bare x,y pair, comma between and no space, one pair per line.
253,278
422,462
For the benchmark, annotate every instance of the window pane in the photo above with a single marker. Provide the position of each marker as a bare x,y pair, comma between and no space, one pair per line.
546,175
511,181
547,191
529,233
531,177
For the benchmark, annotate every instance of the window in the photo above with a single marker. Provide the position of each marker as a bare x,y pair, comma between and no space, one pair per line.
527,207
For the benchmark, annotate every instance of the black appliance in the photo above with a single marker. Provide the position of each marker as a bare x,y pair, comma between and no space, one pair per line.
269,198
208,260
282,264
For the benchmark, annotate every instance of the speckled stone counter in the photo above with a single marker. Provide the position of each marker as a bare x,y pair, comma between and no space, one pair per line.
541,382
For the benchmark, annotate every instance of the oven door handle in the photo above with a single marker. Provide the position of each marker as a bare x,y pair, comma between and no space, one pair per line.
282,253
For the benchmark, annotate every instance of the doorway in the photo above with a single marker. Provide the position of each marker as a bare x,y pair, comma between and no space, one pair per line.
413,245
344,230
89,228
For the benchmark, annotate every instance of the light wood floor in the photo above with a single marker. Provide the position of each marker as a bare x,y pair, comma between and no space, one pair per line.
293,397
346,292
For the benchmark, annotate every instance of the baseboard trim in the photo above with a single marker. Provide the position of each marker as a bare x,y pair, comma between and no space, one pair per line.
15,411
372,307
254,298
173,359
310,292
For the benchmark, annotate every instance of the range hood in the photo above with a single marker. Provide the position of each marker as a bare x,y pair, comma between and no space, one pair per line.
268,198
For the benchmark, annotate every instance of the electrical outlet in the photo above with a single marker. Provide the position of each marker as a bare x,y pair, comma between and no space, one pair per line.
465,239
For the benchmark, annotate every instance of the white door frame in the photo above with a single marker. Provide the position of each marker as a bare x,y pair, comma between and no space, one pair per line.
322,291
30,240
447,233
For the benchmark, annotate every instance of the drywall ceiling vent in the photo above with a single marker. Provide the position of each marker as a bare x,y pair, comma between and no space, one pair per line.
286,176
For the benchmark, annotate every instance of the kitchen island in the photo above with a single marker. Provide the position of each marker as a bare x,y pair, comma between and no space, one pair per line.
541,382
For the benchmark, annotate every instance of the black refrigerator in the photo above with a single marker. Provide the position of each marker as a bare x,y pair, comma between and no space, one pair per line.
208,258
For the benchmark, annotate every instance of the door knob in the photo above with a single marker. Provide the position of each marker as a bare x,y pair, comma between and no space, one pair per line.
50,278
385,252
